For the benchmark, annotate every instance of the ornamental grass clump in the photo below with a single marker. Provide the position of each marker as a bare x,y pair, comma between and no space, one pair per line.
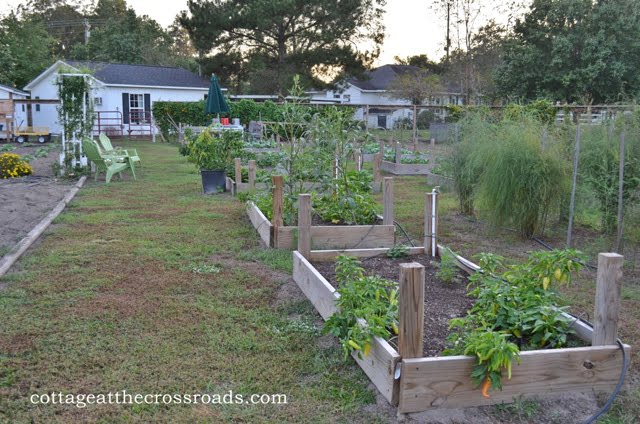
510,170
12,166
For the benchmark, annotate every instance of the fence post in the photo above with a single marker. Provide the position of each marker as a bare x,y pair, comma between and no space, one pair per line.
238,166
607,304
431,224
415,128
376,170
252,174
398,153
304,225
387,200
411,310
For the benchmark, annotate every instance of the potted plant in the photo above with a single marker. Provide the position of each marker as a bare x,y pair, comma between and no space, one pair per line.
213,154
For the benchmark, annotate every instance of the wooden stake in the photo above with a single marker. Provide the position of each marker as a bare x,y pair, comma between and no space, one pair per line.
398,152
431,232
278,200
415,128
304,224
620,195
238,166
252,174
607,307
358,158
387,199
411,310
376,169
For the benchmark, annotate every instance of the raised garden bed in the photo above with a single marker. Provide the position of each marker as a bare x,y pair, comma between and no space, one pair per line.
416,383
275,234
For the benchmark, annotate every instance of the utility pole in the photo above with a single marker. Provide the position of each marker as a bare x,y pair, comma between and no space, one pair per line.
448,41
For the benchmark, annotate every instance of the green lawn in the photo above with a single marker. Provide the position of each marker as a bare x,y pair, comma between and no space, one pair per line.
150,287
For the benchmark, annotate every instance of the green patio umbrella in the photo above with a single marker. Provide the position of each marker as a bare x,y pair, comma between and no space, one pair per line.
215,99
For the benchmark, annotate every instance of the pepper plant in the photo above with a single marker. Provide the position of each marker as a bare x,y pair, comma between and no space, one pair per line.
516,309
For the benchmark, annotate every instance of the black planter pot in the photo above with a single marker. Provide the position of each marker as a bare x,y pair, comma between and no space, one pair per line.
213,181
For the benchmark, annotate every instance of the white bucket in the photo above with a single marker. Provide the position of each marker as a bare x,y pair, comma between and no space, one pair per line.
236,121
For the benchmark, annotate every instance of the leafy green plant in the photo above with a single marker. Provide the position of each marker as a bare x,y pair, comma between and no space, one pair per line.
514,310
369,298
447,268
214,151
351,201
398,251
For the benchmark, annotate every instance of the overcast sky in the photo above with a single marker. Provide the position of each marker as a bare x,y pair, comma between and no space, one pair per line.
411,27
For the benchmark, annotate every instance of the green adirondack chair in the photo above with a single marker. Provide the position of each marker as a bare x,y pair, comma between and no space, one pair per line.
109,164
104,143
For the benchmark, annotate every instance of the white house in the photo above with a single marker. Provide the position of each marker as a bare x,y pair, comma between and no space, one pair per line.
373,101
12,115
123,94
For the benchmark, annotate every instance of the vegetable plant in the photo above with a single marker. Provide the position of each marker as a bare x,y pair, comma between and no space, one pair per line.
214,151
516,309
367,307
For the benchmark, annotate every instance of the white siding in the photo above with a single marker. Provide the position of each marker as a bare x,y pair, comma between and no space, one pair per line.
18,117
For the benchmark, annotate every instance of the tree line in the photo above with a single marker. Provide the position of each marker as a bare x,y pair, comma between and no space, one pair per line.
584,51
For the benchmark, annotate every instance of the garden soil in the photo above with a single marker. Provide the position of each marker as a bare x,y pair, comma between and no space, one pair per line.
25,201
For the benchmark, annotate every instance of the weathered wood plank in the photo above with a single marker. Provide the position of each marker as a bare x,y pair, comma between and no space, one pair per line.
381,363
317,289
340,237
259,222
607,305
406,168
352,236
411,310
445,382
304,224
330,255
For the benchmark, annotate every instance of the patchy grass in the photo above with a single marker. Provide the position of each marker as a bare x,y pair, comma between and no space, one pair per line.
150,287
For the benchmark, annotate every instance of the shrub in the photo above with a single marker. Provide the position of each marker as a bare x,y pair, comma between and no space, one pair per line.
425,118
12,166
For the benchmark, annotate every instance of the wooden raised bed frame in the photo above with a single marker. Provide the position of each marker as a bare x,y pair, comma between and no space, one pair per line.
275,234
415,383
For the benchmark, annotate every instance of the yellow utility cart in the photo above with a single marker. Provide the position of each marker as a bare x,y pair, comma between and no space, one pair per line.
41,134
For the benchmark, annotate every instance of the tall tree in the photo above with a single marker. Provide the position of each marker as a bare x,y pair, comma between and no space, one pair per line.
25,49
281,38
574,51
421,61
415,85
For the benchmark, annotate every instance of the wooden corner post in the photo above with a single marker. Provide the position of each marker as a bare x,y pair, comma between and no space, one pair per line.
252,174
411,311
398,152
607,305
387,199
431,223
238,168
304,225
376,169
277,194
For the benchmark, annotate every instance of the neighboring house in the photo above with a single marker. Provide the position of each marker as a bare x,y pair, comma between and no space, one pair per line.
12,115
372,91
123,94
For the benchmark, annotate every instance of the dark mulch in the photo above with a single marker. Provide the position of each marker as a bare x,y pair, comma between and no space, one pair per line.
443,301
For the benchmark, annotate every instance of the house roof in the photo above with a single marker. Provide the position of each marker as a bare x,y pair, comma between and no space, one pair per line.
121,74
147,75
380,78
13,90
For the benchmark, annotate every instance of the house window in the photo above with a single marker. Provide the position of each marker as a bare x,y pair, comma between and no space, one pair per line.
23,108
136,108
347,98
37,105
336,96
382,121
